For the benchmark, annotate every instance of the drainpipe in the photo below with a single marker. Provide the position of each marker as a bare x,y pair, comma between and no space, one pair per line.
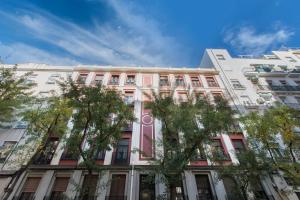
131,181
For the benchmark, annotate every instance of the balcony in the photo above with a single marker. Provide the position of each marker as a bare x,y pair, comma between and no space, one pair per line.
43,159
284,88
120,158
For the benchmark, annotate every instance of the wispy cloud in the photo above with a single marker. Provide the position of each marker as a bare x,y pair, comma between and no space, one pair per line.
247,40
20,53
132,39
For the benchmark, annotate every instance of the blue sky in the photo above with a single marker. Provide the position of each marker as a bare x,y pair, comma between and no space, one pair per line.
142,32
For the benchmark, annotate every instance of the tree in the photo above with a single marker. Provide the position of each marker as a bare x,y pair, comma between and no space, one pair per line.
99,117
263,130
186,128
287,121
14,93
46,118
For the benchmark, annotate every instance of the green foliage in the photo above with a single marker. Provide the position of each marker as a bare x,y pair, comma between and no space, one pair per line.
248,173
98,119
14,93
186,127
263,130
46,118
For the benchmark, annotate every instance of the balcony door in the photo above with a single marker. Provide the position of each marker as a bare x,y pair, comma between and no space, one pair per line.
117,187
121,156
147,187
203,187
29,188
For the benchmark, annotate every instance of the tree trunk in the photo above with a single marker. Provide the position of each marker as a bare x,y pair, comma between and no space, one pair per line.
291,152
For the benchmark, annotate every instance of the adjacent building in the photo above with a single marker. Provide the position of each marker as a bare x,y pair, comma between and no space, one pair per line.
256,83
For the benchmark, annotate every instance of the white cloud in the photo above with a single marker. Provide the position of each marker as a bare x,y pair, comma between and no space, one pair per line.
247,40
132,39
21,53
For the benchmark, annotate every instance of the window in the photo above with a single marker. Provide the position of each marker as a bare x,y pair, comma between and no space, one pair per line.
121,156
182,97
204,191
89,187
98,79
282,98
246,100
220,57
147,187
117,187
199,94
290,59
163,81
283,82
82,78
217,96
6,149
99,155
238,145
269,82
236,84
297,82
179,81
297,98
259,192
59,188
114,80
165,94
29,188
218,151
69,154
176,191
195,81
45,156
21,125
232,191
129,97
130,80
211,82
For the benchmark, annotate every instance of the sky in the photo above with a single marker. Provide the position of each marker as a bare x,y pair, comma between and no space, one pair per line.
171,33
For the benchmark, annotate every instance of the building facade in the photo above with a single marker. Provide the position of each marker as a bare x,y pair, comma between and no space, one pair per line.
123,176
257,83
124,169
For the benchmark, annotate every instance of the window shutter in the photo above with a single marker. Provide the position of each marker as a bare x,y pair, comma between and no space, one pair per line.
31,184
61,184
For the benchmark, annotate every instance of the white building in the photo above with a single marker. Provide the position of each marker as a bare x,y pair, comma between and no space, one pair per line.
49,178
256,83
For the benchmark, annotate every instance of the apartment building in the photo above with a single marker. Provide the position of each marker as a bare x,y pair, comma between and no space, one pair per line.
123,176
257,82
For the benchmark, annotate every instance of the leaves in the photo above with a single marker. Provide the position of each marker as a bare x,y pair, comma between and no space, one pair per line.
99,117
186,127
15,92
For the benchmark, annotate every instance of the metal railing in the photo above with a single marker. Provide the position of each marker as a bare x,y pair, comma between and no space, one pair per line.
279,87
